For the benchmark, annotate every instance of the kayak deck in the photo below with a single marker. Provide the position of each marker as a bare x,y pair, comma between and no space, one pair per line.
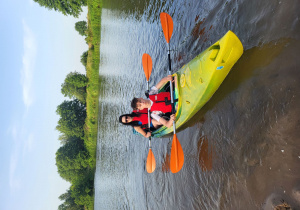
201,77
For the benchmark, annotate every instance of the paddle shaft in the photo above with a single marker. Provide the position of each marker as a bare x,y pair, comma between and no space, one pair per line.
147,66
177,155
148,117
173,107
171,89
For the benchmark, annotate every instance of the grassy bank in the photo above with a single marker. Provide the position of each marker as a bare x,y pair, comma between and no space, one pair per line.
92,73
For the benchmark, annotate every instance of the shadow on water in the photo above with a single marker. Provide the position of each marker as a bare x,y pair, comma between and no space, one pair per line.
255,119
250,63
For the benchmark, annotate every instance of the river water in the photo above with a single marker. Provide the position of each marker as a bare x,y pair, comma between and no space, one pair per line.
242,149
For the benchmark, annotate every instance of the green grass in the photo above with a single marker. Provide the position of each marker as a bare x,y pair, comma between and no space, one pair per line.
92,73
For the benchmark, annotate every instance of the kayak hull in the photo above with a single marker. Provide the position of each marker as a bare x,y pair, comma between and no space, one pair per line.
198,80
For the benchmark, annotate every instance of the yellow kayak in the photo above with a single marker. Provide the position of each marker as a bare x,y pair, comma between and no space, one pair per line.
198,80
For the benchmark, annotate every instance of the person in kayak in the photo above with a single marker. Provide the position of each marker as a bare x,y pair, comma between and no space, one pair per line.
157,103
138,119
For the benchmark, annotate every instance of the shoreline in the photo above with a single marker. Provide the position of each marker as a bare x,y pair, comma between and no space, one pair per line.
92,73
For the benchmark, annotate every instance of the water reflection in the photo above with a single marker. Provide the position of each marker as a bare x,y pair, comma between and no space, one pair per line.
200,31
206,154
138,9
166,163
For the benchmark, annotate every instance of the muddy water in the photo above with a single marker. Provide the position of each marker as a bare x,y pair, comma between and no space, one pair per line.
242,149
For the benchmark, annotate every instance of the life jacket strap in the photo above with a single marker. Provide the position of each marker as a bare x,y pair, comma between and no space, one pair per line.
167,101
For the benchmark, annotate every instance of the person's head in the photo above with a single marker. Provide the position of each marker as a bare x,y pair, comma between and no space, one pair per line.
139,103
127,119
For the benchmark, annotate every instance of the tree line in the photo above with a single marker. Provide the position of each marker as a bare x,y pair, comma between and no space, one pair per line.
72,158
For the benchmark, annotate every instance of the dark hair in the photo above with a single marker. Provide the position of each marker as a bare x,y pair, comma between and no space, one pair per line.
132,123
134,103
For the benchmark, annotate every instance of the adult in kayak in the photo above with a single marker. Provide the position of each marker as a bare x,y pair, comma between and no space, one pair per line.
138,119
158,103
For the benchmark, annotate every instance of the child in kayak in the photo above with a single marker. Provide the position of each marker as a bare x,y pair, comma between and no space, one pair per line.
157,103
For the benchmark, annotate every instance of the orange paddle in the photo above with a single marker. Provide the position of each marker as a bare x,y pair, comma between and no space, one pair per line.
150,165
177,155
167,25
147,65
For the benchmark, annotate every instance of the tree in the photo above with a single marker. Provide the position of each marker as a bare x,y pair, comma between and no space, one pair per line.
81,27
84,58
72,160
83,189
72,118
69,202
74,86
67,7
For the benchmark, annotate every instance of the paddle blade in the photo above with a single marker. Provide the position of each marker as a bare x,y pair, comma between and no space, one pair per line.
150,165
167,25
147,65
177,156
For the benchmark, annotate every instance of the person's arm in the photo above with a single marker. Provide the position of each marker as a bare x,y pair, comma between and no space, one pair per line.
167,123
163,81
141,131
155,123
154,89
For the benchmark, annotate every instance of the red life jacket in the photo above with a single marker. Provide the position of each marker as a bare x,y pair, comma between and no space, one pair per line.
143,118
159,102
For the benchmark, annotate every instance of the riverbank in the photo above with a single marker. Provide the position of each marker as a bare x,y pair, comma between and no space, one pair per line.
92,73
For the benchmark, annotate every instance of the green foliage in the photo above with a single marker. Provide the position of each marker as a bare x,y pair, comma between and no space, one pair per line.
72,159
81,27
72,117
84,57
74,86
63,138
83,189
69,202
92,72
67,7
